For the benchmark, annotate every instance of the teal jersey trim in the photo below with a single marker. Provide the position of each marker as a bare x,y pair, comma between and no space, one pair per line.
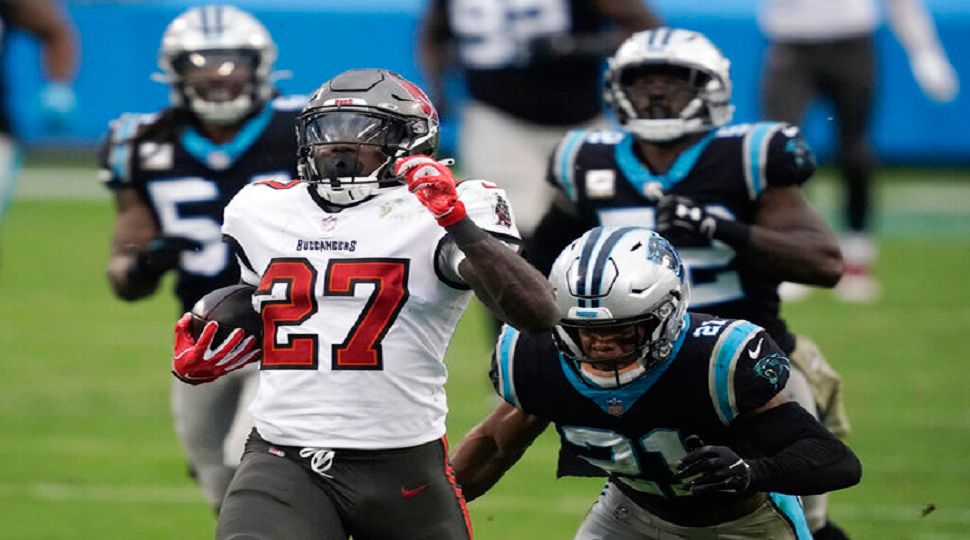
203,149
570,145
792,509
756,156
121,148
623,398
639,175
506,349
725,360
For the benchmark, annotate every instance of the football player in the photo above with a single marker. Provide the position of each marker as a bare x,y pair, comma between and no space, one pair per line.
172,174
683,412
729,196
45,20
364,265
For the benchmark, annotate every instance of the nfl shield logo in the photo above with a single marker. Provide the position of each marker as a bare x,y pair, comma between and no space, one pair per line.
615,406
328,223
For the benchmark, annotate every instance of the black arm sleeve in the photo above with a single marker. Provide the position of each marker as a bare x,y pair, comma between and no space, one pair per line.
802,457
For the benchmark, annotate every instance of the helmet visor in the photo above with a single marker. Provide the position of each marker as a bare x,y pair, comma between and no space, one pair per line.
661,91
609,343
352,127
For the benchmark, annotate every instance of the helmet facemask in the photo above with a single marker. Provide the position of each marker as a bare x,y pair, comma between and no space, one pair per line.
350,153
665,102
218,86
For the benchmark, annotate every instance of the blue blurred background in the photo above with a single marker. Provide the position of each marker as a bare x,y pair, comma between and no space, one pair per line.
318,38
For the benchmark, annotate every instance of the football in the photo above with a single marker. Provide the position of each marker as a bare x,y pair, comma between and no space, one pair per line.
232,308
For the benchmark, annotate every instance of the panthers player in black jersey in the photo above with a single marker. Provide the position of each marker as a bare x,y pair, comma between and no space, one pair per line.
729,196
683,412
172,174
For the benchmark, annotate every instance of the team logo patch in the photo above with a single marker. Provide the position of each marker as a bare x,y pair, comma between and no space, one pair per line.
329,223
653,191
600,183
772,368
342,102
615,407
218,160
503,215
156,157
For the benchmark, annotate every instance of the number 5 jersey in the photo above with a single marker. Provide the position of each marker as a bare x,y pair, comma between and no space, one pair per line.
186,180
358,308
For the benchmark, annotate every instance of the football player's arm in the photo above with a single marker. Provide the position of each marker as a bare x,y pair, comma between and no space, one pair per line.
512,289
435,50
791,242
629,15
45,19
134,228
492,447
913,26
798,455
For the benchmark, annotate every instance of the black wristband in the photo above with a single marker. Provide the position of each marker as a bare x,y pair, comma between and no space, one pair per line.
732,233
142,273
466,232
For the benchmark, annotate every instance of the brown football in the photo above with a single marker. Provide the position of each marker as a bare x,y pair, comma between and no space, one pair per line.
231,307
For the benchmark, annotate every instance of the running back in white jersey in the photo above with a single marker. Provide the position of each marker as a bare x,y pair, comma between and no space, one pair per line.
358,309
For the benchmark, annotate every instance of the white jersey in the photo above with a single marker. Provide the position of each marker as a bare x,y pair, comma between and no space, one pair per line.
818,20
359,308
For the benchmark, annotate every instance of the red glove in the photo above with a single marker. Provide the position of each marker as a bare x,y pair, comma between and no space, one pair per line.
196,362
433,184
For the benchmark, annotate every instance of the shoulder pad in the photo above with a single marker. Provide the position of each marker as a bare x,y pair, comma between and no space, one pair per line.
290,102
562,168
117,153
754,155
790,160
488,206
732,339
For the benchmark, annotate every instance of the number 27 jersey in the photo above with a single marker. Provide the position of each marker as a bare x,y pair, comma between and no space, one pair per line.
358,309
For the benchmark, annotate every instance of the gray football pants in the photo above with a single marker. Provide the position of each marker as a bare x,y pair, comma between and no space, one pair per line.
212,423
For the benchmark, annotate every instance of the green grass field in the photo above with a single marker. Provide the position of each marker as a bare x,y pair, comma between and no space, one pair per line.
87,450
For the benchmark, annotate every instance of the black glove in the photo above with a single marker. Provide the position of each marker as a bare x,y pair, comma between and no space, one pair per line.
686,223
160,255
719,467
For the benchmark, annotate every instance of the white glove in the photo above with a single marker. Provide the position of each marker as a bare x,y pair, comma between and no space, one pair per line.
935,75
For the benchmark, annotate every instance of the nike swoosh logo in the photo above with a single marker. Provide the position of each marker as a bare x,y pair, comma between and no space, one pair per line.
757,350
408,493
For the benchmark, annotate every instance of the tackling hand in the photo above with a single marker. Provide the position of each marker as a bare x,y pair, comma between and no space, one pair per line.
434,185
686,223
160,255
196,362
719,469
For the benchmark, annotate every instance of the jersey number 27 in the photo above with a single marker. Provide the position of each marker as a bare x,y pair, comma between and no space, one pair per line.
289,285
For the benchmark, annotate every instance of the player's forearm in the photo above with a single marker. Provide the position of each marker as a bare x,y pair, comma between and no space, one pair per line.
913,27
802,457
478,465
511,287
809,257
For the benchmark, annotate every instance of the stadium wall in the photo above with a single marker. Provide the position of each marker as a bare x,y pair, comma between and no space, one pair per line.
318,38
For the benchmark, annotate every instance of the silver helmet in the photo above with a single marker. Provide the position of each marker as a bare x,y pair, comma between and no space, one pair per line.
690,55
362,113
619,280
219,63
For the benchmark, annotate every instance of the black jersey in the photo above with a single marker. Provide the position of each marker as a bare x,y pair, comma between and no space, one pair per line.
187,180
718,370
726,172
493,43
